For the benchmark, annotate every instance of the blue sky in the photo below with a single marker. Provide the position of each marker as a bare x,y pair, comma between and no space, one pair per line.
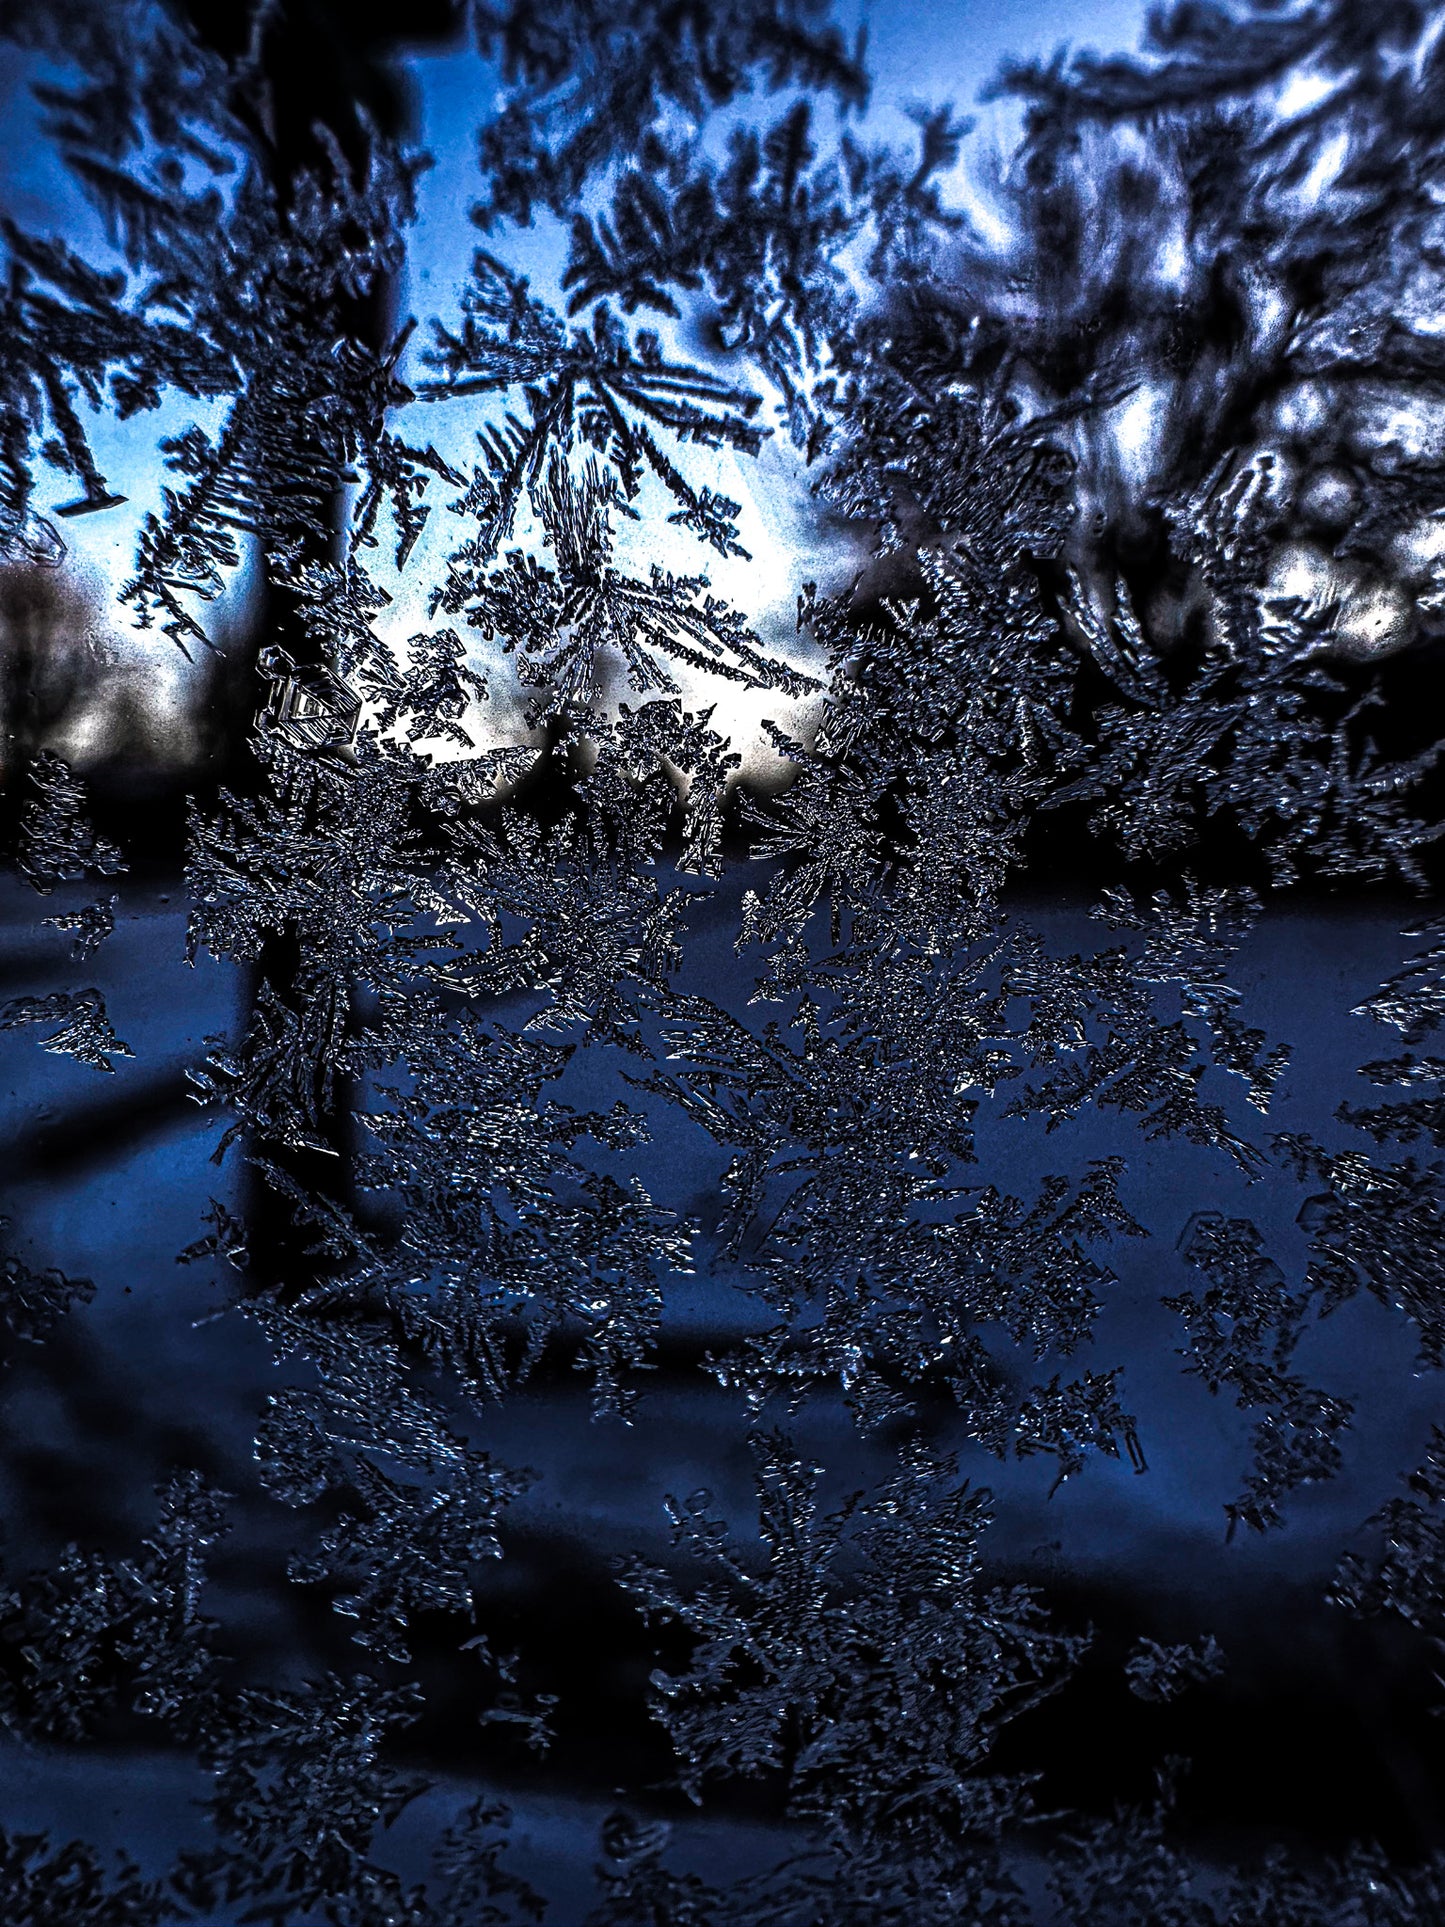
927,56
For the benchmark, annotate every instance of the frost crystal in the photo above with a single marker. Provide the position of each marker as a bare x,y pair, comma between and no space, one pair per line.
1161,1673
626,1029
56,841
83,1029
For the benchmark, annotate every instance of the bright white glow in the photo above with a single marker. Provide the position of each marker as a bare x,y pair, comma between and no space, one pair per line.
918,59
1331,158
1134,425
1301,92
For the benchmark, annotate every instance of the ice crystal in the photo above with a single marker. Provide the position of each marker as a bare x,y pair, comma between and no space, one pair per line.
499,1109
1407,1576
1412,1002
1160,1673
1242,1333
563,620
309,399
308,709
1376,1227
40,1882
301,1790
88,927
83,1030
864,1621
56,841
406,1543
33,1302
479,1891
100,1634
595,383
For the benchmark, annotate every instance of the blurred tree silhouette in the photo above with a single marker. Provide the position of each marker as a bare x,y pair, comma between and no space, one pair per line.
48,659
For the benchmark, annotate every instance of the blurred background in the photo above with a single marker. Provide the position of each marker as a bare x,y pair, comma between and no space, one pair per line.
1320,1734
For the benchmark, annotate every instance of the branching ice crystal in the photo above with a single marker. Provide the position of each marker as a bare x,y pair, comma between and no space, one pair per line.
83,1030
33,1302
56,842
595,384
872,1619
1160,1673
548,1050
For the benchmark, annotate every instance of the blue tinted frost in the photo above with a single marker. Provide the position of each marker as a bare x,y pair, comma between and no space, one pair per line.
935,1071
